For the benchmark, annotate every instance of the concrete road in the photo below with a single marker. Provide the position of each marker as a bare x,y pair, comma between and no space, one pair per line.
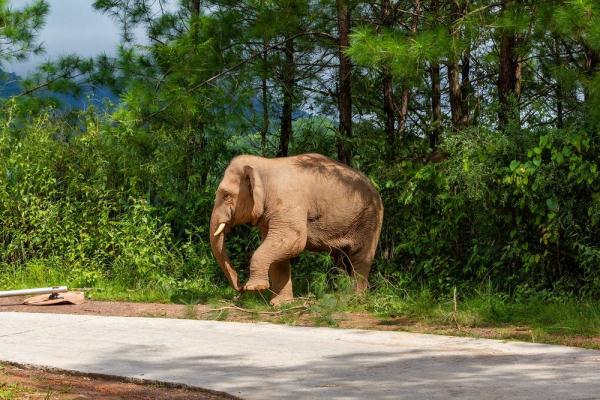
261,361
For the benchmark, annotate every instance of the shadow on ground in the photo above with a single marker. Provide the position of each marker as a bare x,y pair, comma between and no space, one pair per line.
410,373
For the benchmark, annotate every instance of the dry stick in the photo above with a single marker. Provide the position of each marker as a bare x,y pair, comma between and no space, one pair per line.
263,297
49,82
221,309
455,309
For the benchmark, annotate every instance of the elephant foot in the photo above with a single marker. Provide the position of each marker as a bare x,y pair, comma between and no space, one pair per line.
256,285
280,299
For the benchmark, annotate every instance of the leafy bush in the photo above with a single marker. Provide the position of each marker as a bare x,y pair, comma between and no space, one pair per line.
105,202
521,213
82,206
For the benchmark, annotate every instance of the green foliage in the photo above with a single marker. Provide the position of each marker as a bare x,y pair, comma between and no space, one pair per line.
19,29
324,310
75,208
10,391
541,311
406,55
121,201
519,212
580,18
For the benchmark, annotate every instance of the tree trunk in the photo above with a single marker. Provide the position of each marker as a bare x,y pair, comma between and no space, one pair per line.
456,90
195,7
509,77
560,110
455,94
436,93
436,106
592,60
465,88
197,139
403,109
389,107
288,99
509,80
592,65
345,82
195,13
558,88
505,80
265,102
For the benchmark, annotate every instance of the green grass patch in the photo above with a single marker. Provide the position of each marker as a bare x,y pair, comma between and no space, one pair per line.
564,316
546,317
156,290
10,391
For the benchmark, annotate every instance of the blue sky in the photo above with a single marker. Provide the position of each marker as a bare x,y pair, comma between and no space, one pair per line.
72,26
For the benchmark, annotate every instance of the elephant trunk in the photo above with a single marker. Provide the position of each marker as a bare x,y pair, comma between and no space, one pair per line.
217,243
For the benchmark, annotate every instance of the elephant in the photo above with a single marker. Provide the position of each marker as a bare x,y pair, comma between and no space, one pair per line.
304,202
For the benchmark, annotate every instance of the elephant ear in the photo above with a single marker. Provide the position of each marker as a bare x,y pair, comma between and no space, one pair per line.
258,193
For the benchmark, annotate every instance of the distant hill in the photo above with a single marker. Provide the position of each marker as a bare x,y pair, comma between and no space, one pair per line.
10,85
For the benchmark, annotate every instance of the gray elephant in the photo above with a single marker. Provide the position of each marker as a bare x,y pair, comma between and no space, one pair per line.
305,202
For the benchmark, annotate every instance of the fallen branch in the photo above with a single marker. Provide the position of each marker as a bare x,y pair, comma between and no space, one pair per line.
303,307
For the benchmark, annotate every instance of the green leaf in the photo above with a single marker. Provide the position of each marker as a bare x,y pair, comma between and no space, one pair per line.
552,204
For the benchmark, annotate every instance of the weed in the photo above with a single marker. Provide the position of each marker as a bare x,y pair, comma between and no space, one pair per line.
10,391
324,310
190,312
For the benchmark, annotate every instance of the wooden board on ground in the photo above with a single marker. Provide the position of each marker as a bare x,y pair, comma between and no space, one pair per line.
59,298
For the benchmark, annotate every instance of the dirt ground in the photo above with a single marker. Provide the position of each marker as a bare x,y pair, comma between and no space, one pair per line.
18,382
33,383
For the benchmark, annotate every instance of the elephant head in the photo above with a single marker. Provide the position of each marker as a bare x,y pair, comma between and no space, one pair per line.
239,199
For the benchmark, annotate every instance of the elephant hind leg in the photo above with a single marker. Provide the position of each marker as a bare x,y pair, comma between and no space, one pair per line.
357,265
341,260
281,282
361,266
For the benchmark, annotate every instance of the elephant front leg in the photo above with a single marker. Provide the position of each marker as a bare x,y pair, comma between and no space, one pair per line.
259,269
278,247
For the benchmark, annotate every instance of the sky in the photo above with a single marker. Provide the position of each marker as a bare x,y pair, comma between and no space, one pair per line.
72,26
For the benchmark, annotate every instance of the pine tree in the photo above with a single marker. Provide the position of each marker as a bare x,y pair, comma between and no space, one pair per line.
19,30
344,18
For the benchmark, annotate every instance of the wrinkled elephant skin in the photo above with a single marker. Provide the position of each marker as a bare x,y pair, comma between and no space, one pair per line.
305,202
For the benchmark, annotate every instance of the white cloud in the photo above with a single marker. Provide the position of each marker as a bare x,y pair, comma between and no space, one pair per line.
72,26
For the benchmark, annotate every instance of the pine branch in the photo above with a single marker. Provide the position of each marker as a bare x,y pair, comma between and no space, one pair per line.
48,83
237,66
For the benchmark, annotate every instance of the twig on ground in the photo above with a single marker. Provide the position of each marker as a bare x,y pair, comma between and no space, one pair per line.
455,309
302,308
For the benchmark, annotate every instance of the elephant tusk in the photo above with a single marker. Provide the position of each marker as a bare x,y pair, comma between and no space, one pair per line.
220,229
